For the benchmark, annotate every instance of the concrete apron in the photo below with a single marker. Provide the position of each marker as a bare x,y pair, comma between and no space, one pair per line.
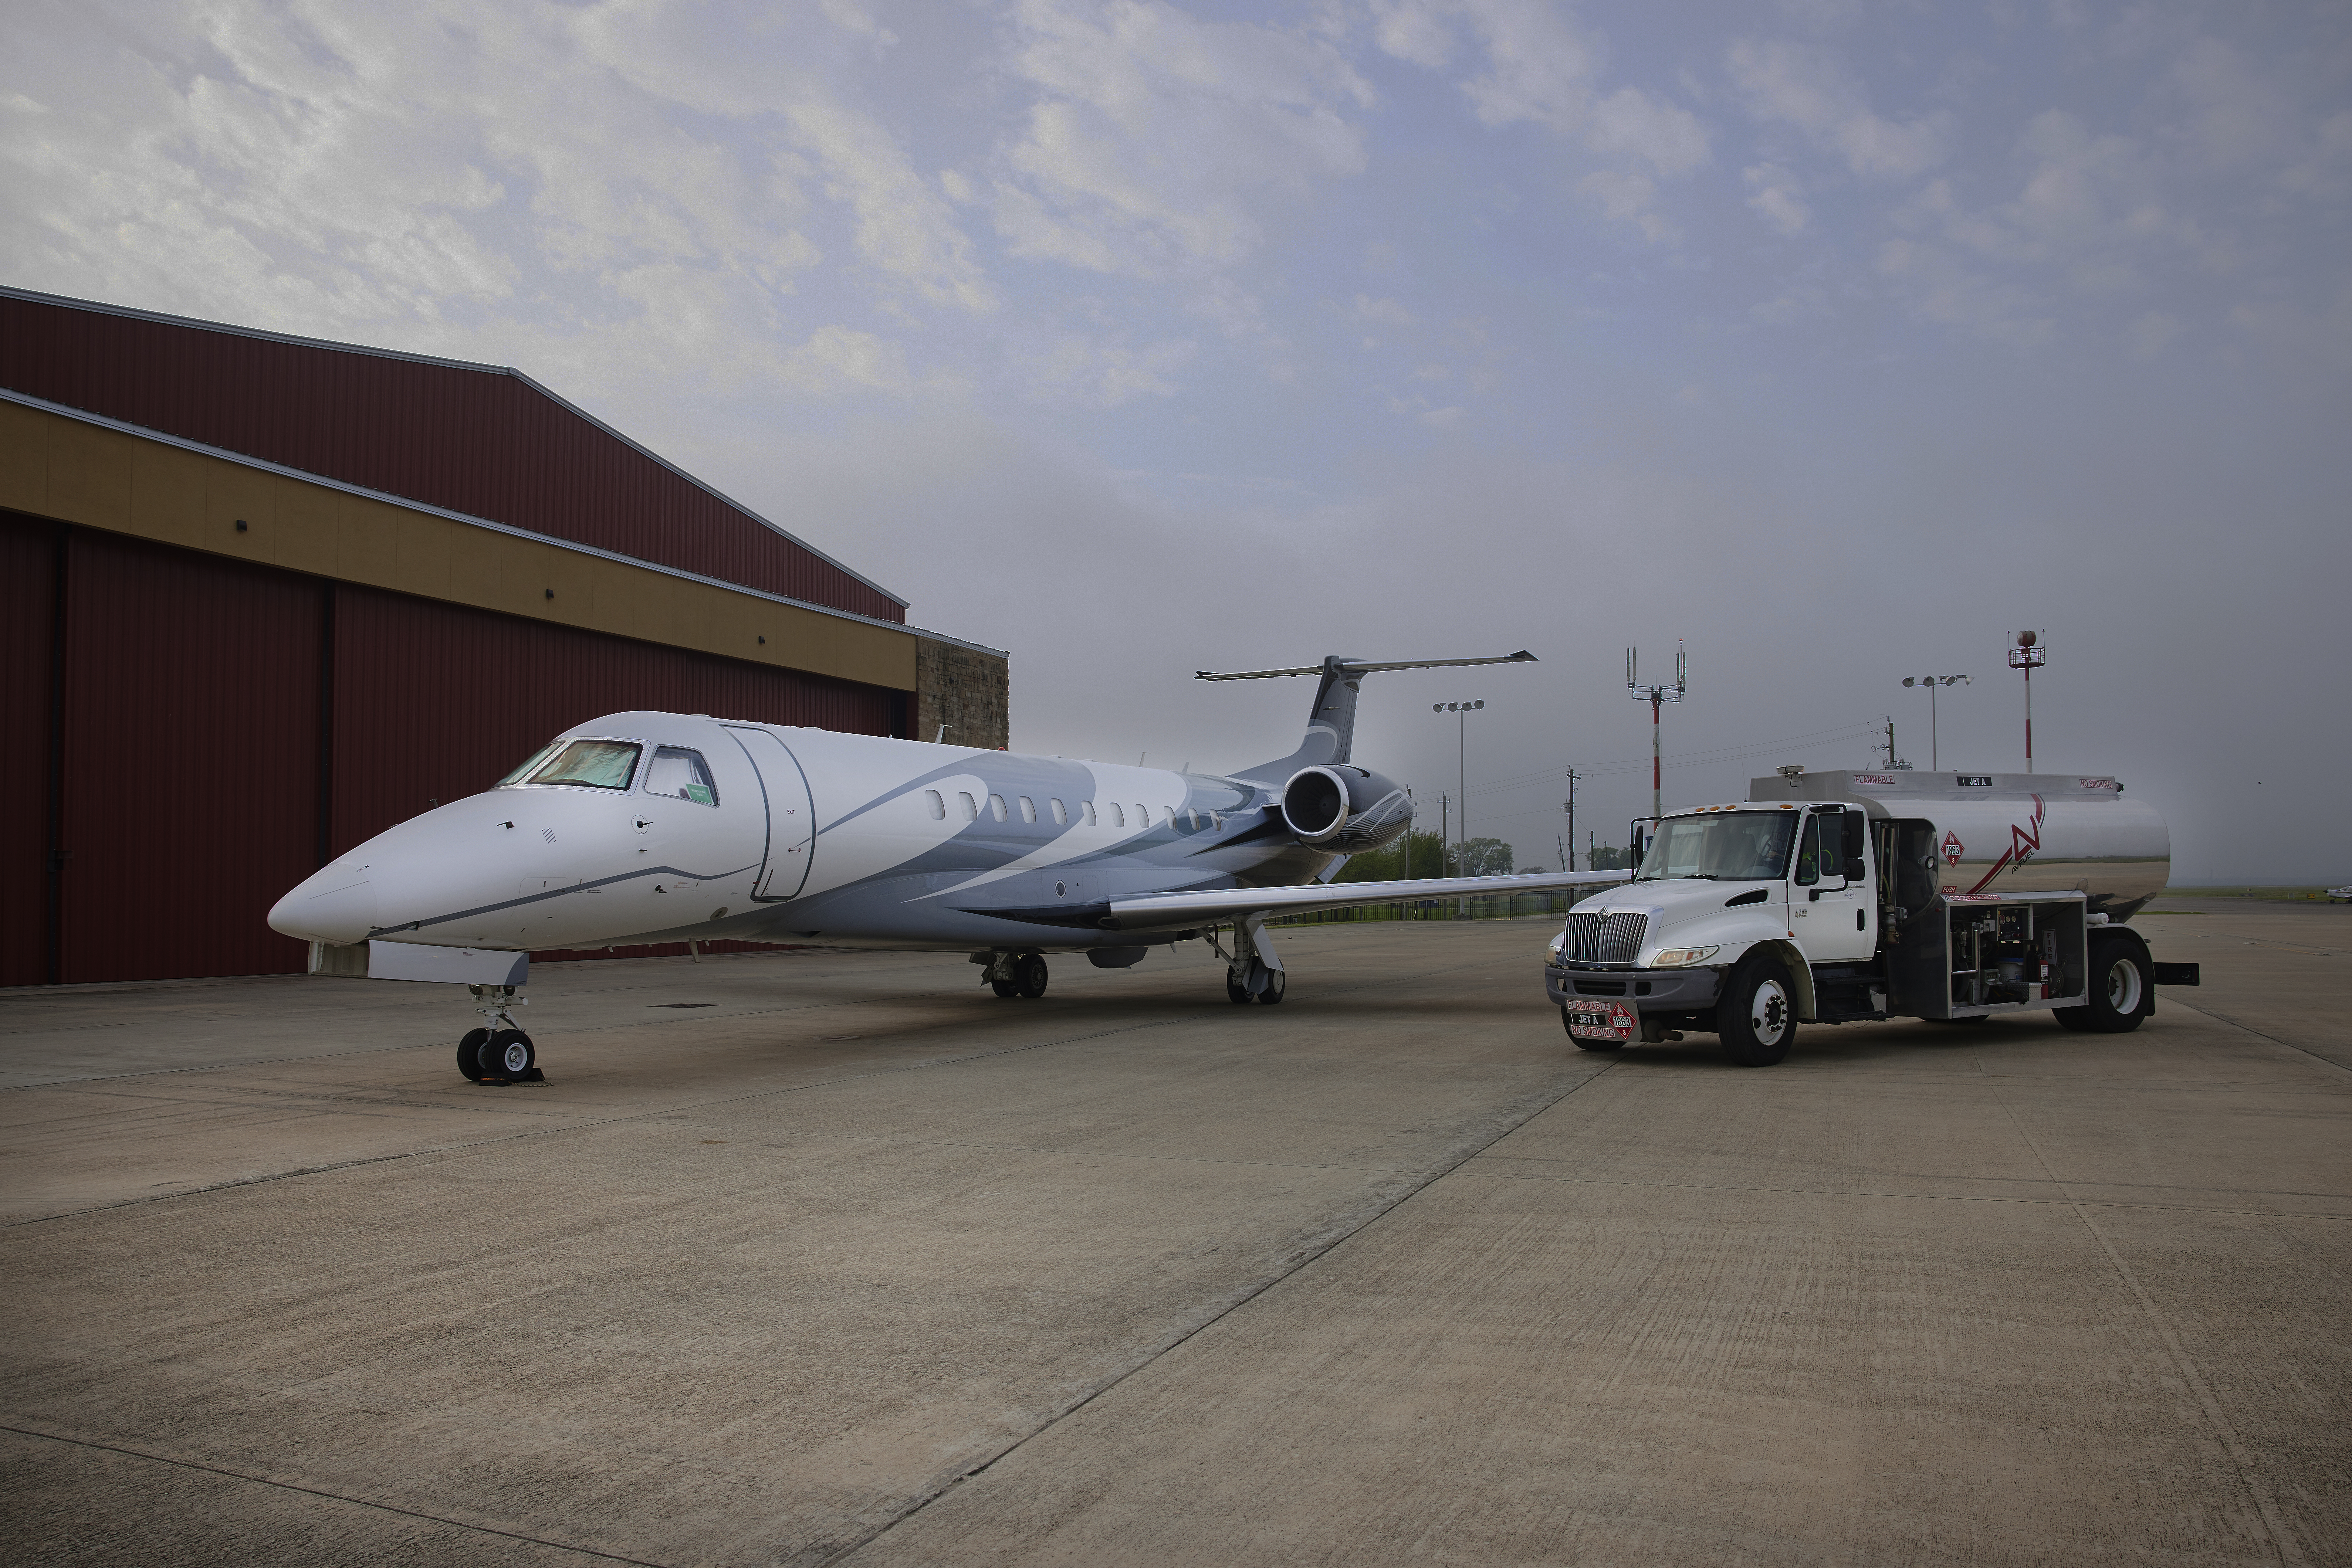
1388,1272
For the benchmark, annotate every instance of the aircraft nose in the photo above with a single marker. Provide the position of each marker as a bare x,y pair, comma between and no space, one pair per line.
332,906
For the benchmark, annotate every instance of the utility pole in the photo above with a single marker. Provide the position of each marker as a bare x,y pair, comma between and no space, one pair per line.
1445,803
1653,696
1570,807
2029,656
1562,843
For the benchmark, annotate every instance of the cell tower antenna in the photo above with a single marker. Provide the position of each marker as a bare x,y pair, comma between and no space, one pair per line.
1654,696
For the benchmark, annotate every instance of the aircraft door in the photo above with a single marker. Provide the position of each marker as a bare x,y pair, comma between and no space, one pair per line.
792,815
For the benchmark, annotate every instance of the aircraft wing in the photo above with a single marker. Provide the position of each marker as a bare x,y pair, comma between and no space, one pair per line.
1211,904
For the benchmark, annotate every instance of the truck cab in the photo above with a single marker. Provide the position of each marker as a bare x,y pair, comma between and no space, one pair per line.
1746,918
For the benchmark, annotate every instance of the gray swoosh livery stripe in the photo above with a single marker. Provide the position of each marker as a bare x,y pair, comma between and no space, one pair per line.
561,891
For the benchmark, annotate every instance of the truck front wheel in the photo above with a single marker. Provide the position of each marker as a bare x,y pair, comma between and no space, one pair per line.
2120,991
1757,1018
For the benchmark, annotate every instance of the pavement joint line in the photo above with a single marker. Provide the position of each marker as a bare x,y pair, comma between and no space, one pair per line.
1300,1261
2258,1034
2282,1540
1915,1176
2020,1198
522,1134
328,1496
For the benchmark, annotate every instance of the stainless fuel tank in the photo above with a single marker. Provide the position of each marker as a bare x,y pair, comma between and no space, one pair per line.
2013,833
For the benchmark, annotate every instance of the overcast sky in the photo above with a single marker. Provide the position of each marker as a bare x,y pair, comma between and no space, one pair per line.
1839,341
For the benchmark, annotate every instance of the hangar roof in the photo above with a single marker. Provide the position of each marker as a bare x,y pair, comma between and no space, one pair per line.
482,441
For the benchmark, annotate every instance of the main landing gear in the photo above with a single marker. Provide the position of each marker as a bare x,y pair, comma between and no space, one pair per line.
1253,969
500,1053
1015,974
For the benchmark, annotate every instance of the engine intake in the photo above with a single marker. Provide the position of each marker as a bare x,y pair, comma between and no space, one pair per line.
1344,808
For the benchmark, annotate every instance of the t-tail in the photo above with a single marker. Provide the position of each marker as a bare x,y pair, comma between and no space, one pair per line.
1331,723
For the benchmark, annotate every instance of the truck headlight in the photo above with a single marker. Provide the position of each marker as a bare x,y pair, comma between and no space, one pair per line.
1674,957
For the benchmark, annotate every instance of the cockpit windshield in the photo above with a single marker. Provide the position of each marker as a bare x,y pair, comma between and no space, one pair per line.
1736,846
594,764
523,772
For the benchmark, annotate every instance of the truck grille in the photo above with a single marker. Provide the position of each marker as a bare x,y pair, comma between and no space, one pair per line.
1603,938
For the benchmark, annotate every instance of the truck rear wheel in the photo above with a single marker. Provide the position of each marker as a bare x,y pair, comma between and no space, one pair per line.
1757,1019
2121,991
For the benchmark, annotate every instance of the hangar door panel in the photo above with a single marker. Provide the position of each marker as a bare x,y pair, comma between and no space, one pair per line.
792,817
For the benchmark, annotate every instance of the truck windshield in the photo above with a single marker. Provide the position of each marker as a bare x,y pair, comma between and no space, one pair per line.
1739,846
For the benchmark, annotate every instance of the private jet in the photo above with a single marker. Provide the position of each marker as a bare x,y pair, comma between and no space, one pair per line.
642,828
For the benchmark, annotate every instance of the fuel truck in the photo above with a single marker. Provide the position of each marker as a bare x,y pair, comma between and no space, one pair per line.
1838,896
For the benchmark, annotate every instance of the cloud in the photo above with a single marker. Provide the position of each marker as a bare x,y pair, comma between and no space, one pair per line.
1541,70
2149,337
1942,287
1155,138
1777,197
1789,84
1388,311
1066,369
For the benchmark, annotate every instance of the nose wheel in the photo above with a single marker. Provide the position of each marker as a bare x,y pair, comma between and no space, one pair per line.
500,1053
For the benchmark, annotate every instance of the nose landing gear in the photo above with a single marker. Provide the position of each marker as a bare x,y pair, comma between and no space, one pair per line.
500,1053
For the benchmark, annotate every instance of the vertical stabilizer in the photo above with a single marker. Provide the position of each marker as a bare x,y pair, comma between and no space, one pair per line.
1330,723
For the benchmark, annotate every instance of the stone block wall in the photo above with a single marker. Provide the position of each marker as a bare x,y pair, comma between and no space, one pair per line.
964,688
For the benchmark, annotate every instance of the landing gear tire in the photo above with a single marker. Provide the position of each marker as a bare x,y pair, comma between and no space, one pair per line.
1587,1044
1004,988
469,1053
1236,993
2121,994
1275,982
1758,1014
1029,975
508,1055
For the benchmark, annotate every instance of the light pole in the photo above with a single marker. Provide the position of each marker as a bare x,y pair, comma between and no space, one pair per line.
1931,682
1653,696
2029,656
1461,712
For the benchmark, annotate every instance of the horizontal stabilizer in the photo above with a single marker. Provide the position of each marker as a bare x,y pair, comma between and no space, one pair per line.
1212,905
1365,667
1331,718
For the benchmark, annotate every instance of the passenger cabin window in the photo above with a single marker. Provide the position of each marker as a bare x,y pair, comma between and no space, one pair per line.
937,806
674,771
997,807
1087,807
592,764
1166,816
1142,816
1060,816
970,812
1117,817
1028,810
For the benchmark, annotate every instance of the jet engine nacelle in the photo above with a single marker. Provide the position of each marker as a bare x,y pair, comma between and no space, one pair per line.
1344,808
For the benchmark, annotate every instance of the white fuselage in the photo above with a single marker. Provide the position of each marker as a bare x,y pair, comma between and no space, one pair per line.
807,834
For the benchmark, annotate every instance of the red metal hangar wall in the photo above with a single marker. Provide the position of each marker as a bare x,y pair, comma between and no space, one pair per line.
261,598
